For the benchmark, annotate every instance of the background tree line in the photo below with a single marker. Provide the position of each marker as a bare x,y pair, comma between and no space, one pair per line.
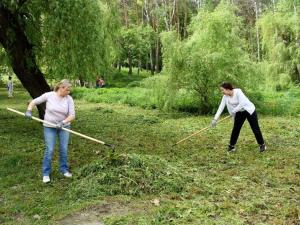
197,43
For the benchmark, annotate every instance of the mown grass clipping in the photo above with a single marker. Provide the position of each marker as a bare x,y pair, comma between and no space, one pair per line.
130,174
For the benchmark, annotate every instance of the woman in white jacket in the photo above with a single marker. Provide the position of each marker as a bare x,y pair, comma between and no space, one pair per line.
240,108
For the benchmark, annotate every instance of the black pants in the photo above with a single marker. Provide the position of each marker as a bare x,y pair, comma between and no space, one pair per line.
239,120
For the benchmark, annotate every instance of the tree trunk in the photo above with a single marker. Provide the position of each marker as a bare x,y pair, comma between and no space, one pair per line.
157,50
129,62
147,64
139,67
257,31
150,54
274,6
297,73
151,62
21,55
185,23
81,81
177,18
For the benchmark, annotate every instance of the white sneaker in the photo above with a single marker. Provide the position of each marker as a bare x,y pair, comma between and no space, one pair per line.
67,174
46,179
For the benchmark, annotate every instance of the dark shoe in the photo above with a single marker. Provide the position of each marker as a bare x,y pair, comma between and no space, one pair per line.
262,148
231,148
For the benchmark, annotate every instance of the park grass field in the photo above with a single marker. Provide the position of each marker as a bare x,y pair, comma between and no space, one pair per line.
146,180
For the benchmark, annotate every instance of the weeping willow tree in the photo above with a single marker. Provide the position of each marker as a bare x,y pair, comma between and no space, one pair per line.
78,39
281,41
214,52
57,39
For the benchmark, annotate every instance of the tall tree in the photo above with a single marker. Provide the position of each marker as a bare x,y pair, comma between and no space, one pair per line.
20,50
66,38
280,39
214,52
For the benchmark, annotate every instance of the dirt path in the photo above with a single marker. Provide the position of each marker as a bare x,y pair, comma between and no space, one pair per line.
95,214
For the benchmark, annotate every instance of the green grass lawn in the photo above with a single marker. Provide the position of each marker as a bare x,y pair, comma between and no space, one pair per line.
196,182
122,78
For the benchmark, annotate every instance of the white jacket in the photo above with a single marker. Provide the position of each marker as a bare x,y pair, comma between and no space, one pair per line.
236,103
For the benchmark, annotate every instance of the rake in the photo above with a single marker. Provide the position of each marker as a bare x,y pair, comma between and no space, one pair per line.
66,129
203,129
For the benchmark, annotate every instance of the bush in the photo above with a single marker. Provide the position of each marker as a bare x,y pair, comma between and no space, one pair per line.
213,53
280,103
154,92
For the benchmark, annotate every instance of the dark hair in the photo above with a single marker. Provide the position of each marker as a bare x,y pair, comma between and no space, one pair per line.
227,85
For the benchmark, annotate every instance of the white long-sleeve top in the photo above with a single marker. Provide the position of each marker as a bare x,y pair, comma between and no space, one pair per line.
236,103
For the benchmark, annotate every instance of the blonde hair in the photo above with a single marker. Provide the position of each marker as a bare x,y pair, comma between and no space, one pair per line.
62,83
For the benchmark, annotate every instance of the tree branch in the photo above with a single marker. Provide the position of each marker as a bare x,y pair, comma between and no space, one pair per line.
21,55
21,3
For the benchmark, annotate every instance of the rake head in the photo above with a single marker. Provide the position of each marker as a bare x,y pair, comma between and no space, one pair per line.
111,146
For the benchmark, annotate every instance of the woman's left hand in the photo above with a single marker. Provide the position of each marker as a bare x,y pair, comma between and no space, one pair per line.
60,125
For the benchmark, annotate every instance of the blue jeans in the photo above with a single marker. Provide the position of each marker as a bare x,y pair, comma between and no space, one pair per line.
50,135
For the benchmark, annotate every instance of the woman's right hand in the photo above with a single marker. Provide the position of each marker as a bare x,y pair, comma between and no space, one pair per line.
213,123
28,114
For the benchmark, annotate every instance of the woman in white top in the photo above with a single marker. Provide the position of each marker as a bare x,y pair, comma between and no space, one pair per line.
240,108
59,111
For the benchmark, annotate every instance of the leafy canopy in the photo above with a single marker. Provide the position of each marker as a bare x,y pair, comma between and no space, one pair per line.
213,53
281,41
71,38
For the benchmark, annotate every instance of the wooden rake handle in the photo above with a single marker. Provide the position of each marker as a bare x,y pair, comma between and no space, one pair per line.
203,129
63,128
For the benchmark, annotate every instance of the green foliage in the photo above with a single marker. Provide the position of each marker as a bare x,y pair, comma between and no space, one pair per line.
153,93
5,69
138,41
281,103
213,53
148,93
280,39
78,39
135,97
71,39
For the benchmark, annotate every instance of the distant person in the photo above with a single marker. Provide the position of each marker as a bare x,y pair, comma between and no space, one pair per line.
101,83
77,83
97,82
59,111
10,87
240,108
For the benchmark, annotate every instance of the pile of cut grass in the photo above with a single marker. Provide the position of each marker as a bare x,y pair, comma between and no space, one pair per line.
130,174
